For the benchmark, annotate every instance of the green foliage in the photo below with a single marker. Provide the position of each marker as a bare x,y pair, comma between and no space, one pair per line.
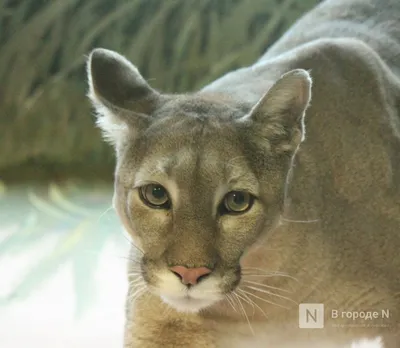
179,45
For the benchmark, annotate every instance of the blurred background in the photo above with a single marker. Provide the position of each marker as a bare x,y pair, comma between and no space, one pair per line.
62,251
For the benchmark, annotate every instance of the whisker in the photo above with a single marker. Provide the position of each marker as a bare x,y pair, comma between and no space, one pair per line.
270,293
134,296
248,302
134,261
262,270
254,304
267,286
136,281
137,285
124,257
267,276
133,276
137,294
104,212
229,300
135,272
244,312
133,244
266,273
263,299
300,221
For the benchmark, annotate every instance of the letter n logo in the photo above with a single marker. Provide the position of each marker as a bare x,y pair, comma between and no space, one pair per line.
311,316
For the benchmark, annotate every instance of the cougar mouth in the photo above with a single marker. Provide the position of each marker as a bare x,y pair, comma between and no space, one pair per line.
188,298
188,303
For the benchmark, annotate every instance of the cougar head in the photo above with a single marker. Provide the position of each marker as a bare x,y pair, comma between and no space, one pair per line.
199,178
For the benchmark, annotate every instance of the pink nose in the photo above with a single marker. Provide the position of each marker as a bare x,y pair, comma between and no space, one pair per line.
190,275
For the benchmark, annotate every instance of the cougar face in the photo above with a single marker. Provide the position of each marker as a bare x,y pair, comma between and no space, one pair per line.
200,178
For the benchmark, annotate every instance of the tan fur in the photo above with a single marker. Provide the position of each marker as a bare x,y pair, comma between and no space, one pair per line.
325,224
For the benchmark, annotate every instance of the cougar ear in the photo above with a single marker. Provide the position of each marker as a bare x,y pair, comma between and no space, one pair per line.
122,98
279,115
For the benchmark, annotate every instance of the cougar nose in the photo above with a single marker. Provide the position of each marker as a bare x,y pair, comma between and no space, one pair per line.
190,275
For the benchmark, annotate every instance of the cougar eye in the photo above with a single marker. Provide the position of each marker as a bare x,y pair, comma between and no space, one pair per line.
238,202
155,196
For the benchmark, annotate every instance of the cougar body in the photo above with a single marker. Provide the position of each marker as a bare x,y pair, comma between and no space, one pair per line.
274,186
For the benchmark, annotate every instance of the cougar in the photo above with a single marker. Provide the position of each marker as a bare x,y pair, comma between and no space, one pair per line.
264,209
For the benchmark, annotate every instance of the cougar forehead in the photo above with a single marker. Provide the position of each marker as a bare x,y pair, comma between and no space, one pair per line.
187,138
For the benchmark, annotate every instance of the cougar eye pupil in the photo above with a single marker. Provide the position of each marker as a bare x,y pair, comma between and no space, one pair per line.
238,198
158,192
